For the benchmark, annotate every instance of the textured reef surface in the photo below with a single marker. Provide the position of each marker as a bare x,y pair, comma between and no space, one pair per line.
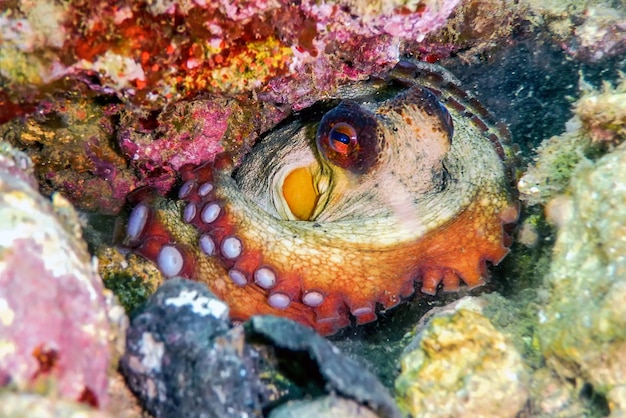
306,160
55,329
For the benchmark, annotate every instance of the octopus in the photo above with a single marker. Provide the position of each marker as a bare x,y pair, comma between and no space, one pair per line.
401,182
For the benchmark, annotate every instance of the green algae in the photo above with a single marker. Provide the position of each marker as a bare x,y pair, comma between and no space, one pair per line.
131,291
582,328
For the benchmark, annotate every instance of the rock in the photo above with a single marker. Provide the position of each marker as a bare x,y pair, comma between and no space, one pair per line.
131,278
603,113
71,142
582,328
95,154
587,31
29,405
556,159
184,359
340,374
123,403
551,396
54,324
459,364
326,407
599,123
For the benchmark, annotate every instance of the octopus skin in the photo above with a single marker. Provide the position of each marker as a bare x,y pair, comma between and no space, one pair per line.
401,180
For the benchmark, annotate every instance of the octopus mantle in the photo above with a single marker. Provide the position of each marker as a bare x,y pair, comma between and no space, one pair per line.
401,180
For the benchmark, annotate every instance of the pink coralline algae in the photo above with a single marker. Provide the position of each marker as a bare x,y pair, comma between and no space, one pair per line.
152,53
96,155
192,132
161,84
189,132
353,40
54,329
71,145
209,120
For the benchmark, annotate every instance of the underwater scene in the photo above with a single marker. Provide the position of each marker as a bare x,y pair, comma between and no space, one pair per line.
314,208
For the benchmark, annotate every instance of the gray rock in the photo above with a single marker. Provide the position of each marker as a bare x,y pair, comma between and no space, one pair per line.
324,407
184,360
340,374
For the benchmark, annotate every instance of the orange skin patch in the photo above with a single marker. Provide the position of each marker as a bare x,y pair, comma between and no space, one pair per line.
451,255
421,198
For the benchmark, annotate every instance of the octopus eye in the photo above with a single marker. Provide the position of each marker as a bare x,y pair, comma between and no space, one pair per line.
349,137
342,138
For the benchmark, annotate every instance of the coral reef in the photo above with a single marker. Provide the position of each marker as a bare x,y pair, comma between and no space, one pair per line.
460,364
153,53
586,30
582,326
54,326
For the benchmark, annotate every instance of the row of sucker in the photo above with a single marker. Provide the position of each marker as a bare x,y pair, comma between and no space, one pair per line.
217,238
152,241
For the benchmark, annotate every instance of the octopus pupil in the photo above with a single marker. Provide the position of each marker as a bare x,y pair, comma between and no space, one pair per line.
340,137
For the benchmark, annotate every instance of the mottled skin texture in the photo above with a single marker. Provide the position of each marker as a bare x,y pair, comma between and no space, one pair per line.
423,197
